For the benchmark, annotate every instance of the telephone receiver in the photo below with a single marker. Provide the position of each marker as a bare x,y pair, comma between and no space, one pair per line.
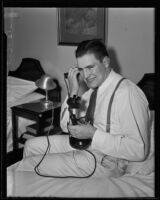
66,75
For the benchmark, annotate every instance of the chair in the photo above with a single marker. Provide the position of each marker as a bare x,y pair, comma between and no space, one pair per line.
147,86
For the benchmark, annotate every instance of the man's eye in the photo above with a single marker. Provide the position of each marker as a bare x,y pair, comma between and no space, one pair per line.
90,67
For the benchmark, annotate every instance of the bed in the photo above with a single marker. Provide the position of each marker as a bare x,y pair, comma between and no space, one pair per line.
137,182
21,89
18,91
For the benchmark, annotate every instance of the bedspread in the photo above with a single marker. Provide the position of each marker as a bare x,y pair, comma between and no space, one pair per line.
29,184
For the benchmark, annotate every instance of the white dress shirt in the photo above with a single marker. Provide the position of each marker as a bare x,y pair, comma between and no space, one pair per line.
129,130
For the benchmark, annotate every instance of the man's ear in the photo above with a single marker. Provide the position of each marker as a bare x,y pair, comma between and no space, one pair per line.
106,61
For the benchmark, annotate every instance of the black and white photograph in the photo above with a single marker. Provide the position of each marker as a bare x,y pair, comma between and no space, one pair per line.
80,106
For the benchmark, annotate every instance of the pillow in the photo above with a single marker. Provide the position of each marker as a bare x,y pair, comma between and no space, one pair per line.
147,166
18,88
29,98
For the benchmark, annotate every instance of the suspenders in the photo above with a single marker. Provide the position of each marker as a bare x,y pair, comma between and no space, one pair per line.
105,157
110,104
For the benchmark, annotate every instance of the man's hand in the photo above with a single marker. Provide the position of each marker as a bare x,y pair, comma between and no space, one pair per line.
82,131
73,81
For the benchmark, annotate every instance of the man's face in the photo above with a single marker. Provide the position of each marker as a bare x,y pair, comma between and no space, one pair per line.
92,70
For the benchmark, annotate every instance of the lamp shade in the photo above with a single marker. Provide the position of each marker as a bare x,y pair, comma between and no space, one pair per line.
46,83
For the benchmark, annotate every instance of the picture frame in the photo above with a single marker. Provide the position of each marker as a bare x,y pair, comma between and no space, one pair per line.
78,24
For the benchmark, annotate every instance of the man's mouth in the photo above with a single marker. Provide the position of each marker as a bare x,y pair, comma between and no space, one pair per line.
89,80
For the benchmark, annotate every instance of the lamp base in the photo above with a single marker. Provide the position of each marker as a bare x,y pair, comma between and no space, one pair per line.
47,104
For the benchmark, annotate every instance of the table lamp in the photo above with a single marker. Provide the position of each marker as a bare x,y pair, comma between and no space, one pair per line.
46,83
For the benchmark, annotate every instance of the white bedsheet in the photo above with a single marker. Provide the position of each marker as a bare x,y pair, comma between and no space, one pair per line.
29,184
18,91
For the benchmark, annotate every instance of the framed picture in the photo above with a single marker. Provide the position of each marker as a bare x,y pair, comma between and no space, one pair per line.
78,24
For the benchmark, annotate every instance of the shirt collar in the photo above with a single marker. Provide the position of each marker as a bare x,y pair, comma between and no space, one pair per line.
107,81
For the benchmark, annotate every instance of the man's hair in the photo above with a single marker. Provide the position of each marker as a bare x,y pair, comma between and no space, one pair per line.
94,46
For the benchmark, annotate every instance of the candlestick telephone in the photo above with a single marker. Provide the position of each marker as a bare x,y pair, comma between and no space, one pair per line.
73,105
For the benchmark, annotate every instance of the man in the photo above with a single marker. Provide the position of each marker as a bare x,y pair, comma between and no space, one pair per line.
125,141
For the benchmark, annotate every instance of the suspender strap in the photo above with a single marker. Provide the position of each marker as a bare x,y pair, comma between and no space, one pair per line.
110,105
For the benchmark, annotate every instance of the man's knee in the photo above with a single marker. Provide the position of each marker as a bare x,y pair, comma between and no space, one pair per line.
29,143
32,146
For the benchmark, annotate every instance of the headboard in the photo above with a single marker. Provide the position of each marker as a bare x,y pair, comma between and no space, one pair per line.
31,69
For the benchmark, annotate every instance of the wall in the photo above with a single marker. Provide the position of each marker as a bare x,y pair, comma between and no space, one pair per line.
131,36
130,41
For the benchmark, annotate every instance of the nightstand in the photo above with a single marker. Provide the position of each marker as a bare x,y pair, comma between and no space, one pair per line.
33,111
